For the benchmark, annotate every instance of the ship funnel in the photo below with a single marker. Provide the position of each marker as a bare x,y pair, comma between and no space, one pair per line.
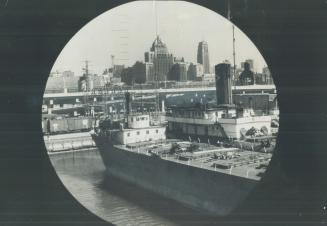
223,84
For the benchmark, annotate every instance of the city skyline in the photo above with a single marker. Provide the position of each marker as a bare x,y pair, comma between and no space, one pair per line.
129,30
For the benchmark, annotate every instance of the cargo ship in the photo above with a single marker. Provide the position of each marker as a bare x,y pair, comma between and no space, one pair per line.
212,177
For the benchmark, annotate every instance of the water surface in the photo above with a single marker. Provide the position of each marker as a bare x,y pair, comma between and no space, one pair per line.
83,174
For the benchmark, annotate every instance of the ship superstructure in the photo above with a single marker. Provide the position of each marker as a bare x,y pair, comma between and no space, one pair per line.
216,123
220,121
211,178
192,167
137,129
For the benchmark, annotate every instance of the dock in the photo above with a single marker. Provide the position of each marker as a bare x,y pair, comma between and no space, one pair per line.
68,142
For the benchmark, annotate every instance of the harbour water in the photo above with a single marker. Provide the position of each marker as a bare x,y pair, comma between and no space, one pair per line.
120,203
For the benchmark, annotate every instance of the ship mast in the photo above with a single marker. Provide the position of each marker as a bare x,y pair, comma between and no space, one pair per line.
233,27
155,71
86,92
112,64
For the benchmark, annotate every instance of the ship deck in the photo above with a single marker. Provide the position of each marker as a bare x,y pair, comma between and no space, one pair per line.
232,161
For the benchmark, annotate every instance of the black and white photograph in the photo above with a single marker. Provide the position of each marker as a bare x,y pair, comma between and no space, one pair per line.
164,113
155,91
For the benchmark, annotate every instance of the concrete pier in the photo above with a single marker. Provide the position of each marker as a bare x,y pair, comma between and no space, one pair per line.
68,142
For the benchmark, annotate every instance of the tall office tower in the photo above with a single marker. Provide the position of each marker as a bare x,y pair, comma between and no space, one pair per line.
203,56
148,57
161,59
149,72
178,72
250,62
267,76
191,72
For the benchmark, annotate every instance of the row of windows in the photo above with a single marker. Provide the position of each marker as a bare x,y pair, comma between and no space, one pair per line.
189,114
193,114
178,126
139,119
138,132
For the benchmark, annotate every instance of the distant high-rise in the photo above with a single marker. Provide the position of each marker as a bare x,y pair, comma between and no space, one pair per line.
247,76
68,73
161,60
250,62
179,72
191,72
203,56
149,71
267,75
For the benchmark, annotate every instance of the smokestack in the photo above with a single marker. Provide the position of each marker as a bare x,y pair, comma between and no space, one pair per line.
128,102
223,84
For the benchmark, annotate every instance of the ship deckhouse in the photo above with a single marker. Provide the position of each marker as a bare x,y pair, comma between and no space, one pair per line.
139,129
218,122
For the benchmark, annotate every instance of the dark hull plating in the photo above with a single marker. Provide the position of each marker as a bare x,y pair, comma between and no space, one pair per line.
208,191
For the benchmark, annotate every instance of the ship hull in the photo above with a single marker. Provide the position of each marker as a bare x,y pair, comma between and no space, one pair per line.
211,192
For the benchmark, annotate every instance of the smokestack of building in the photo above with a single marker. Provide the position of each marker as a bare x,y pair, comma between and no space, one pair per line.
223,84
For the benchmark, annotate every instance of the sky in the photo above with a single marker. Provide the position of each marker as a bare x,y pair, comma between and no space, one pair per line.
129,30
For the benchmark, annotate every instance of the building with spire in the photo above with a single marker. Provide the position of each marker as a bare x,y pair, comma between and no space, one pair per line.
158,61
203,56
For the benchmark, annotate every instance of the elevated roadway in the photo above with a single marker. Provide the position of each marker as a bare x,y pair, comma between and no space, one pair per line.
236,89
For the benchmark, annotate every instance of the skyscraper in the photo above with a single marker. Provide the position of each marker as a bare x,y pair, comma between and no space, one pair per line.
267,75
203,56
161,59
250,62
178,72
